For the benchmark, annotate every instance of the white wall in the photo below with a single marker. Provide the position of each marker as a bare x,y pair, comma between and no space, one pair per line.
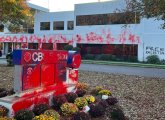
51,17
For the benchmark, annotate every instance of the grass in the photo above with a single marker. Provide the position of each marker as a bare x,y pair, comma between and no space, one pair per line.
129,64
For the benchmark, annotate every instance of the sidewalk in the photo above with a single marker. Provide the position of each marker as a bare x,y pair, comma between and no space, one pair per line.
3,57
128,64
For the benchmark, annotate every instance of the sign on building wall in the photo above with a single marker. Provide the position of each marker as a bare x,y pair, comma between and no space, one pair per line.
151,50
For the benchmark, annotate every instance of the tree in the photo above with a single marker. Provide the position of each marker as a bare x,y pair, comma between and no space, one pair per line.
13,13
148,8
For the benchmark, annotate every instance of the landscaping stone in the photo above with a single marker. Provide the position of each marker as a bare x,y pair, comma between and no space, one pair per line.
141,98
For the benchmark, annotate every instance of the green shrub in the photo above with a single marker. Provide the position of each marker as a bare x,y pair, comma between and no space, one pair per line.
68,109
68,47
76,49
58,101
55,115
24,115
3,111
96,110
105,57
90,56
132,59
153,59
81,102
71,97
113,57
117,114
81,116
162,62
40,109
81,92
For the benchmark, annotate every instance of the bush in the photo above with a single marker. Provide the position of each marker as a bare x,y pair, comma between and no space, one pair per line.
43,117
90,56
68,47
81,102
82,86
153,59
162,61
111,100
53,114
103,103
96,90
132,59
96,110
76,49
106,57
68,109
81,116
71,97
24,115
117,114
58,101
40,109
3,111
89,98
104,92
81,92
3,92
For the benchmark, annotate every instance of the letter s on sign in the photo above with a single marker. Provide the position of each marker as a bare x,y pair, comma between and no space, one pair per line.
37,56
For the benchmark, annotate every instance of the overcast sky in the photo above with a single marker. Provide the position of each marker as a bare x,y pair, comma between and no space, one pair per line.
61,5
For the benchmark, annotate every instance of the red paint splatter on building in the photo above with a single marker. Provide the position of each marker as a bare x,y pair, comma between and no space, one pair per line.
109,38
78,38
93,37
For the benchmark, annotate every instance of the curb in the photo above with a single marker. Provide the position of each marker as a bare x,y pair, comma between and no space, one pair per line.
127,64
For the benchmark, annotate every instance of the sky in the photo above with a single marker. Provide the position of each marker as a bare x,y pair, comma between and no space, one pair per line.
61,5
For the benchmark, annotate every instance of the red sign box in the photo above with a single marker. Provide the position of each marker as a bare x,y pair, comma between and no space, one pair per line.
31,77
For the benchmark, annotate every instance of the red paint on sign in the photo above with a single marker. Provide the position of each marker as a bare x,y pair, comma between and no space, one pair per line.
47,74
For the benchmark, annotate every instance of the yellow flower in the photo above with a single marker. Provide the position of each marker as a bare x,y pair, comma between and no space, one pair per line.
105,92
89,98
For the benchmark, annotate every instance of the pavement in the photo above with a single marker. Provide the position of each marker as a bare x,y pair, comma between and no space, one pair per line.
3,60
146,72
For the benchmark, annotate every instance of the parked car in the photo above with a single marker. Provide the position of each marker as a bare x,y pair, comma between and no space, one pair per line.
9,58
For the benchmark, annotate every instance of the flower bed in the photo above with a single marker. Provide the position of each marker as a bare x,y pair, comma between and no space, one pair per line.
71,106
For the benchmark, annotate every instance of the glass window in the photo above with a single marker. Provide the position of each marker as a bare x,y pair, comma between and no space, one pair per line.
33,46
1,28
45,26
110,18
58,25
70,25
47,46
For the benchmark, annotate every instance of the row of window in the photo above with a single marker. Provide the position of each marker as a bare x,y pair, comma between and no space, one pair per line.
107,19
57,25
97,19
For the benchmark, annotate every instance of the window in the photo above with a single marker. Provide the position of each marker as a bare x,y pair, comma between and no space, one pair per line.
45,26
1,28
33,46
106,19
47,46
58,25
60,46
70,25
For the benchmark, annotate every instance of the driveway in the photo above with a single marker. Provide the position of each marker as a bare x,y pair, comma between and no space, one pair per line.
147,72
3,61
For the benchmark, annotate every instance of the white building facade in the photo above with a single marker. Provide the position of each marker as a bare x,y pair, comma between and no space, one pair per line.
93,28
